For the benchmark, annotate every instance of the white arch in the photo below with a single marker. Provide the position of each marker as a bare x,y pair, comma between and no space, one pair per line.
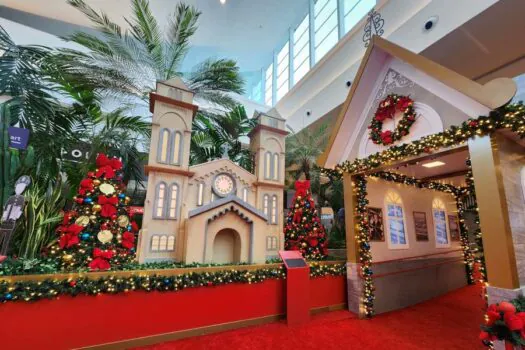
428,122
271,138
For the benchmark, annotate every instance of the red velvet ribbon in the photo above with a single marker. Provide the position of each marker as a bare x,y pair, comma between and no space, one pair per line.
107,166
301,188
100,261
297,216
128,240
108,206
69,237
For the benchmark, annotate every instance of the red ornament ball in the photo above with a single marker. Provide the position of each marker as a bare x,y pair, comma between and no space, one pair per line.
73,283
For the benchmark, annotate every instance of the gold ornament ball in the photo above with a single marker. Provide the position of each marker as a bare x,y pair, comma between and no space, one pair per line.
303,244
67,257
93,218
127,200
96,208
297,205
96,182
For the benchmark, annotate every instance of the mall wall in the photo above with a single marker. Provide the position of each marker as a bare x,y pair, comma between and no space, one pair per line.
414,199
512,165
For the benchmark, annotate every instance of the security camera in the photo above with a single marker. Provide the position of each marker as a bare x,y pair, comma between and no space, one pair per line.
308,113
430,23
348,83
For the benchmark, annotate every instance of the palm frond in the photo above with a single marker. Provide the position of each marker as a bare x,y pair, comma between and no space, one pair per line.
101,21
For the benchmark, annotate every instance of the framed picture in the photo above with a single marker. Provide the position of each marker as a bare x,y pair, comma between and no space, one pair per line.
375,224
420,223
453,226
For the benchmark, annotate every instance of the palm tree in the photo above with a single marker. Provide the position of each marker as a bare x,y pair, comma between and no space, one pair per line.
26,74
303,149
213,135
127,63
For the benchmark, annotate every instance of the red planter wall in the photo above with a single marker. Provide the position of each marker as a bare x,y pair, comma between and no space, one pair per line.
85,320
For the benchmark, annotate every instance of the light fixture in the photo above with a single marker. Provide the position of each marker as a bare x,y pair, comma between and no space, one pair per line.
433,164
222,2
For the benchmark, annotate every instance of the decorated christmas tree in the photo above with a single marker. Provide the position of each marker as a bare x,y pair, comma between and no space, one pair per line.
303,230
97,233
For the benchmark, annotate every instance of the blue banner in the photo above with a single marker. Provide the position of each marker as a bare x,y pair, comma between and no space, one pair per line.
18,137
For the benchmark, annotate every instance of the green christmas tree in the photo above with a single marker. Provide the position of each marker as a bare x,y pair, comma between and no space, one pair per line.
303,230
97,233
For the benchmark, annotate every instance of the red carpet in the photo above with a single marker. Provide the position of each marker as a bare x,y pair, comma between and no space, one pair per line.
448,322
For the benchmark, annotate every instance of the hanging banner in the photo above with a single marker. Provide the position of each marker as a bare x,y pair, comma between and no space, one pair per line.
18,137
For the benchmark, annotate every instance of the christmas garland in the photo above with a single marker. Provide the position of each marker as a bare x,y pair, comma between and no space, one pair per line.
387,109
511,117
365,255
37,290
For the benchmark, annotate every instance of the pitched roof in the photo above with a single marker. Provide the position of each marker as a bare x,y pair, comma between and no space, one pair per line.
229,199
176,82
493,94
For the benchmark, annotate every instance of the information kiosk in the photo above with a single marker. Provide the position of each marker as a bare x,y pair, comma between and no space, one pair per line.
297,287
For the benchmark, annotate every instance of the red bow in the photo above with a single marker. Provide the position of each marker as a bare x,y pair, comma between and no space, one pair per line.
70,236
86,185
128,240
100,261
108,206
107,166
301,188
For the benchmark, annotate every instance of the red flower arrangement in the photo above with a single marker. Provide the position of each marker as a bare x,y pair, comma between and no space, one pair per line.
505,321
387,110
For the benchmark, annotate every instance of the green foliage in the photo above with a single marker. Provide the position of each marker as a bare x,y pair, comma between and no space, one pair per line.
303,149
35,228
22,266
337,237
127,63
212,133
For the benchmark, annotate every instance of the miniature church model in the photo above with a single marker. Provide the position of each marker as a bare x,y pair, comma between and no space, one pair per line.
215,212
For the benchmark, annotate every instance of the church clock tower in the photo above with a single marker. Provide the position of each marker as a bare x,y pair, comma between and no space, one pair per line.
267,142
168,171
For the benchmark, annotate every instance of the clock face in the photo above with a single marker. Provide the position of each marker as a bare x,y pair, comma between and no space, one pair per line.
223,185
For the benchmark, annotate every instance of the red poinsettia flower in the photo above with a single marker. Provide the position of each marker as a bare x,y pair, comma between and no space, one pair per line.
505,307
86,185
403,103
128,240
107,167
100,261
493,316
386,137
134,227
108,206
485,336
69,237
513,321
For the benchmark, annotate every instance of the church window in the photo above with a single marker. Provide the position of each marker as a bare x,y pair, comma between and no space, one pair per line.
160,196
439,215
163,151
172,202
267,165
271,243
275,167
163,242
266,204
396,221
245,194
274,210
155,243
176,148
171,243
200,194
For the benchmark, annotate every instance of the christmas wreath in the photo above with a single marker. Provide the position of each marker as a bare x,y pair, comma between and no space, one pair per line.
387,110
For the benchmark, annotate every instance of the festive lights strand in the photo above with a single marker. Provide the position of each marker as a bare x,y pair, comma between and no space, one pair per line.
365,255
36,290
478,251
511,117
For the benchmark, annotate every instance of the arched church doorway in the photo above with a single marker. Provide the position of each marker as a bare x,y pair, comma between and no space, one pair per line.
227,247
